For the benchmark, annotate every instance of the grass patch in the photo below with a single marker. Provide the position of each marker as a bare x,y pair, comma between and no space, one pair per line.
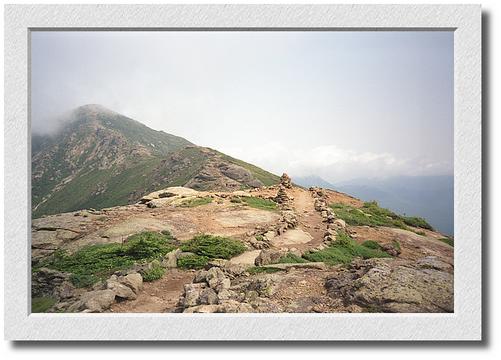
192,262
370,214
214,247
396,245
371,244
422,233
190,203
290,258
343,250
416,222
41,304
156,272
97,262
262,270
259,237
259,203
448,241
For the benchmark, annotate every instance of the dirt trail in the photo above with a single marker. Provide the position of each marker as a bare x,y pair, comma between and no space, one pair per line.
158,296
310,220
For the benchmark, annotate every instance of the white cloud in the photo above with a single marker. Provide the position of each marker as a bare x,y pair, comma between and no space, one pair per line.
335,164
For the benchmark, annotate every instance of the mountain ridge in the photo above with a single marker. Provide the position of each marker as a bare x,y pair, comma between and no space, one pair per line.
100,158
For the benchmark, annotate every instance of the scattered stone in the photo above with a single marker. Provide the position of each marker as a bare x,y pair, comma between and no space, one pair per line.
121,291
268,256
93,301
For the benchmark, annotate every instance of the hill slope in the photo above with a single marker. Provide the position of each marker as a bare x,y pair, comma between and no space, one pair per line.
100,158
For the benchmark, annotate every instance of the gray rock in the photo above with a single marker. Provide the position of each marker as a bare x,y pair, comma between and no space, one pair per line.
122,291
268,256
170,259
134,281
217,280
208,297
93,301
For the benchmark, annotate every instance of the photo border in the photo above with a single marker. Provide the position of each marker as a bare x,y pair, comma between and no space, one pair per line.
464,324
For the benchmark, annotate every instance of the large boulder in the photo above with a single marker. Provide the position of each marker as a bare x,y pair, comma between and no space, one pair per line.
383,286
93,301
134,281
268,256
121,291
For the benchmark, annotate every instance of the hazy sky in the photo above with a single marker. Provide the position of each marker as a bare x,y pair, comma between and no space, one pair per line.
340,105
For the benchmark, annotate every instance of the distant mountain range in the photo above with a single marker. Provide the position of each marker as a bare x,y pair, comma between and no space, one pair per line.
430,197
100,158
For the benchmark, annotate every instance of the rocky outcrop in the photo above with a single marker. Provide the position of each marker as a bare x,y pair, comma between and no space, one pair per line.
382,286
93,301
51,283
117,287
268,256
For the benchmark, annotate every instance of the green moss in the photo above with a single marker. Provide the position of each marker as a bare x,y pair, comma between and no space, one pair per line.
196,202
214,247
41,304
192,262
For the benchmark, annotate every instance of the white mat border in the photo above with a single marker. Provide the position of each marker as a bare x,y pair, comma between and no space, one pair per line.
464,324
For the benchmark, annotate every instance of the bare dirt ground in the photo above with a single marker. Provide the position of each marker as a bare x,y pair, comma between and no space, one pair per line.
159,296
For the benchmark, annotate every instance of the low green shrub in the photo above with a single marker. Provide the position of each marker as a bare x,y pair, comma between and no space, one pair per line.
190,203
192,262
448,241
154,273
259,203
97,262
371,214
418,222
371,244
343,250
42,304
214,247
262,270
290,258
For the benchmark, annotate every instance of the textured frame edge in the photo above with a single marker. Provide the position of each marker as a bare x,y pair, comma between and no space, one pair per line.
464,324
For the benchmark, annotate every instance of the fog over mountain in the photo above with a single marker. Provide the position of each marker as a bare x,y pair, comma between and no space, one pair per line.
340,105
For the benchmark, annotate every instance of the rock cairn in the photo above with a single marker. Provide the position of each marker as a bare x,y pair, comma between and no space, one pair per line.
333,223
285,180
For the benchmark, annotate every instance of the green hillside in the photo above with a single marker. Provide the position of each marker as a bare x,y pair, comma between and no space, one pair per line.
102,159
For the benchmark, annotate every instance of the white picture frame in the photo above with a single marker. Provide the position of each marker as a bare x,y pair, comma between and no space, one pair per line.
466,321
